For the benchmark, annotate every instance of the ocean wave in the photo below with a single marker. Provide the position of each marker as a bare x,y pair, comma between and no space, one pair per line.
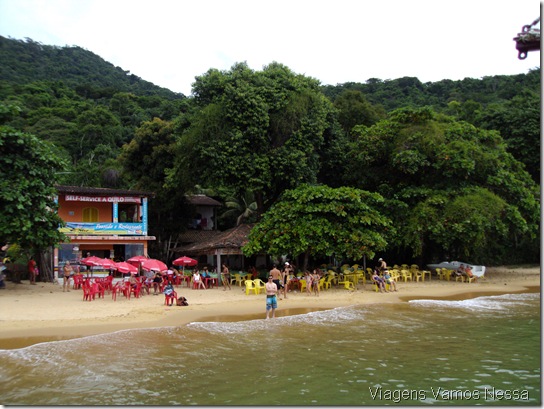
327,317
504,302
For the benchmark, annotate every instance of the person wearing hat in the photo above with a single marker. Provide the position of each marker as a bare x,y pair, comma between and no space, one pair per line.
382,265
271,300
287,271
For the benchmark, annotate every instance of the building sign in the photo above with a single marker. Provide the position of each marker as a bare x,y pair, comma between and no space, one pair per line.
144,215
103,199
134,229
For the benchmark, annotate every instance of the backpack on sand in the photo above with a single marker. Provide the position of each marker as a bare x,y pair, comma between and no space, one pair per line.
182,301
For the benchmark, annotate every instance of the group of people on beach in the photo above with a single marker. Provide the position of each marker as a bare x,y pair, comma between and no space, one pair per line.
465,271
280,281
382,278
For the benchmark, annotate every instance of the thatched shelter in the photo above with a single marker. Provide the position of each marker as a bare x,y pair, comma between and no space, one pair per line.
228,242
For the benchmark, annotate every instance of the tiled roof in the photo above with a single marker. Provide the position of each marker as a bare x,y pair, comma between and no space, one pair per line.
232,239
197,236
101,191
202,200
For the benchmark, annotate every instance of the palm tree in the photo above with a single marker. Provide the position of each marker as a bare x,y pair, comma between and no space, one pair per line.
243,208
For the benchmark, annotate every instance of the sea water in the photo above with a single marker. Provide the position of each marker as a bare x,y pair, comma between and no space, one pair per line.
481,351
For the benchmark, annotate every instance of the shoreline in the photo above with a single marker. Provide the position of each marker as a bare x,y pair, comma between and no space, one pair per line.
41,313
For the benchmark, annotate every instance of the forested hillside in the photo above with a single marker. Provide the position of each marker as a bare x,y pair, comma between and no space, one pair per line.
24,62
460,152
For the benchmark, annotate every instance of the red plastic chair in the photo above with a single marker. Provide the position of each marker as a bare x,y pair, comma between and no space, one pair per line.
116,289
136,290
146,286
88,291
78,281
126,289
108,283
163,284
170,299
98,289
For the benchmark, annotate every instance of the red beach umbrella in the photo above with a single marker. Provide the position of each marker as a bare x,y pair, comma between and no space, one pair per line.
137,260
90,261
126,268
185,261
106,263
154,265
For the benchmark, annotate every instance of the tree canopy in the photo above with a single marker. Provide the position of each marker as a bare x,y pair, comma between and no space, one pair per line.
28,169
256,131
453,188
322,221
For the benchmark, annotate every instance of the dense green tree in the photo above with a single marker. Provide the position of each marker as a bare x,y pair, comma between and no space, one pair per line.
257,131
28,169
354,109
322,221
97,126
146,162
518,121
440,175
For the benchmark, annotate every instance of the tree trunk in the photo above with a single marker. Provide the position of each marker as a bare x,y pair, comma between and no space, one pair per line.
306,258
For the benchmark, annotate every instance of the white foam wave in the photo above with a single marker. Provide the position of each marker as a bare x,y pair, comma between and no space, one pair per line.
327,317
493,303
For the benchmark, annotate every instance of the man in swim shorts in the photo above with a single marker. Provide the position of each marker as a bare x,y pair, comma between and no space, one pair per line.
271,301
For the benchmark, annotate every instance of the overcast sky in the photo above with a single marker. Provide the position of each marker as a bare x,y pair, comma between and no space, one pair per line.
169,42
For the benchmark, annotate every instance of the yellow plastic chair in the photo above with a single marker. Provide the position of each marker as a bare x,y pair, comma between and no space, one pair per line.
470,279
321,283
250,286
348,285
424,272
302,285
328,281
334,279
259,285
361,277
377,287
395,275
238,279
406,275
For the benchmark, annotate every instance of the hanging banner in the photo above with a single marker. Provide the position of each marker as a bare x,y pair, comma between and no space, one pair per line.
103,199
132,229
144,215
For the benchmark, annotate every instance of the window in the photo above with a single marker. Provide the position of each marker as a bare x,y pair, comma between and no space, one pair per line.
90,215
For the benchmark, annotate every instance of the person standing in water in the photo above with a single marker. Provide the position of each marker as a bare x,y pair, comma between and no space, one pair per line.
271,300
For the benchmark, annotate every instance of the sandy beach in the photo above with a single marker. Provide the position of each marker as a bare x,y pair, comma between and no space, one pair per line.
43,312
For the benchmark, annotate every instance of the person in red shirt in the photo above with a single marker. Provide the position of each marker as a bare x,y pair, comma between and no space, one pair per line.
31,267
